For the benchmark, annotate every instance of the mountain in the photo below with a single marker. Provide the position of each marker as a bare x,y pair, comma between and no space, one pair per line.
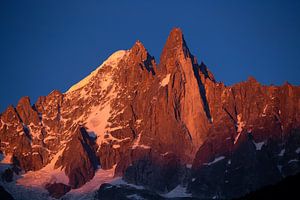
153,131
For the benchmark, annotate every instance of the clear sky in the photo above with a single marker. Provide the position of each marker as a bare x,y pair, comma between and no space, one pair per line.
52,44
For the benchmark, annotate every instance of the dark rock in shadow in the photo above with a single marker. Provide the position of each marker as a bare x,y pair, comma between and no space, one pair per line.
288,188
5,195
57,190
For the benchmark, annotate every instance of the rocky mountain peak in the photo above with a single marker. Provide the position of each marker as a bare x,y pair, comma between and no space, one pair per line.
24,101
175,47
138,56
252,79
138,52
176,39
10,114
138,47
26,112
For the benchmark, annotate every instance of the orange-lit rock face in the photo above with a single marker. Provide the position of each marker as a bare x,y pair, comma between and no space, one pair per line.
141,117
185,88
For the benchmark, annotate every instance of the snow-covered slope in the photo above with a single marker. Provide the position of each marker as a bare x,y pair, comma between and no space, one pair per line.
112,60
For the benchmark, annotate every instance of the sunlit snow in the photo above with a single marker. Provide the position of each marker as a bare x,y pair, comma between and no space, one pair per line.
38,179
112,60
240,125
86,191
165,81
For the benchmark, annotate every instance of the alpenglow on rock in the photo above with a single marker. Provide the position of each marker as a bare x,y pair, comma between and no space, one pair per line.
151,130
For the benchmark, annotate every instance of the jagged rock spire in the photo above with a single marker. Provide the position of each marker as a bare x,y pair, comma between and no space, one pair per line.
175,47
26,112
138,52
139,55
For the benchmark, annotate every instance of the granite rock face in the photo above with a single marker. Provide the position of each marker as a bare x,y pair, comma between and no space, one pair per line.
79,158
160,173
160,125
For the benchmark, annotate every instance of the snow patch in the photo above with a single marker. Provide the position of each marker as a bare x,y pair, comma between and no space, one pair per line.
264,111
135,197
48,174
137,144
50,138
119,181
138,122
166,153
97,121
2,124
189,166
279,167
116,146
281,152
239,125
178,192
293,160
88,189
215,160
165,81
229,162
5,143
258,145
116,128
297,150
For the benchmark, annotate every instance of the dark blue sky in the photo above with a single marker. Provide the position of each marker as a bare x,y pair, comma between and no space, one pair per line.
46,45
